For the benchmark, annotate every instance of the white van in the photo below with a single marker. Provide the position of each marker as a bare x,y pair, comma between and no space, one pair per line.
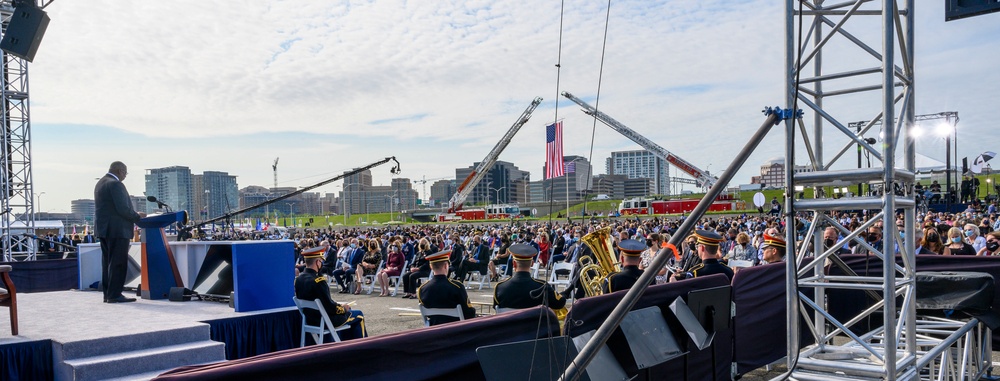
602,197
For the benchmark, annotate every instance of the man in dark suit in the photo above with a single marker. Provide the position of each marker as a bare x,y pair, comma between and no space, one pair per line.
477,259
345,274
114,220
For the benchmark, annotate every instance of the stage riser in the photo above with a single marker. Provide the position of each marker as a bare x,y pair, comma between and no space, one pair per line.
119,344
141,361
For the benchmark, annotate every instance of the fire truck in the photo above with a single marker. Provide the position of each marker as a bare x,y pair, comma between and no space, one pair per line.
649,206
455,211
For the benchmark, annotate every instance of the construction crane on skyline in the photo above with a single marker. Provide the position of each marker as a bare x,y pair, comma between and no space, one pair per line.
275,168
423,181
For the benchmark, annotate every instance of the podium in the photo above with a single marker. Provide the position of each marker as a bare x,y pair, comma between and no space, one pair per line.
159,269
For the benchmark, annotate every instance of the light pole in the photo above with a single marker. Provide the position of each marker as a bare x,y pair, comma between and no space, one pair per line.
368,204
38,203
498,193
208,203
488,183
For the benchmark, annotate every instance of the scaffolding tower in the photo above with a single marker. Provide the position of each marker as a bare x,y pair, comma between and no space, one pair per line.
847,60
17,209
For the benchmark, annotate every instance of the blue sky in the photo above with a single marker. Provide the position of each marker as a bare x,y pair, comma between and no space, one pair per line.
328,86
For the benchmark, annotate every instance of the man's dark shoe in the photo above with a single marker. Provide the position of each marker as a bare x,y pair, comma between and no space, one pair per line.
344,291
121,299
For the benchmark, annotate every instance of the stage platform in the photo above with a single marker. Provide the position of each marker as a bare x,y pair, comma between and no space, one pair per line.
92,340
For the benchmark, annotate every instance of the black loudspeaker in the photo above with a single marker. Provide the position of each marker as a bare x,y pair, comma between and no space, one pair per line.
25,31
965,165
179,294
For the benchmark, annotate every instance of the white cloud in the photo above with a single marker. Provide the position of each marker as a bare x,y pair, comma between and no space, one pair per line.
435,83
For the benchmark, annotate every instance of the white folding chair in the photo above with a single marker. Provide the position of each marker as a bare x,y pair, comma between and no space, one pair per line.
477,278
325,326
372,277
501,310
554,279
426,313
399,278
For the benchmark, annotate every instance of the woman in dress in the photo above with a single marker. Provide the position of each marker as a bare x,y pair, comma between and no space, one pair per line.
368,265
393,267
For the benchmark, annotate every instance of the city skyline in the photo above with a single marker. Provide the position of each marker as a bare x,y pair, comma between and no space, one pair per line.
329,87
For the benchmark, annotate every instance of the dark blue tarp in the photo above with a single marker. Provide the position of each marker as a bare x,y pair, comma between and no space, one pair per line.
44,275
29,360
252,335
443,352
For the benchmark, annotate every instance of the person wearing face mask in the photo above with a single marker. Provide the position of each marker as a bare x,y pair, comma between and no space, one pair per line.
957,245
992,246
830,238
874,238
973,238
931,244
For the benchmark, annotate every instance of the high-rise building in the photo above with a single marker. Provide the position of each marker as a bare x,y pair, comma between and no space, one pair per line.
498,186
173,186
641,164
578,179
442,191
360,196
220,193
772,172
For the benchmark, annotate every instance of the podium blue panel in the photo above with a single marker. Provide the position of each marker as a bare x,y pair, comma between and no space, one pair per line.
159,270
263,275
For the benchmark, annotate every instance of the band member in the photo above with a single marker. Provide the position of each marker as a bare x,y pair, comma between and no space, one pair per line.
708,250
631,251
441,292
773,249
309,285
521,290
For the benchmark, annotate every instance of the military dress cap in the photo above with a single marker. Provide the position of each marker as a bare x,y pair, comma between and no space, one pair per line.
314,252
770,240
439,256
708,237
522,251
631,247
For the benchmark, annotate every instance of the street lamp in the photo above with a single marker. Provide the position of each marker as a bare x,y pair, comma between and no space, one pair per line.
208,203
498,193
367,217
38,203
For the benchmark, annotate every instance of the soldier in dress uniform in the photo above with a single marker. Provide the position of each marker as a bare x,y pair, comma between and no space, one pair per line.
708,249
441,292
631,251
774,248
309,285
521,290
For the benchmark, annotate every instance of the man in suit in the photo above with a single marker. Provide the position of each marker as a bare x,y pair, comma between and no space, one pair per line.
477,260
114,220
441,292
346,272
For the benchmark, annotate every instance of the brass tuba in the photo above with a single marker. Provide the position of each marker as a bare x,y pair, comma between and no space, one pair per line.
593,275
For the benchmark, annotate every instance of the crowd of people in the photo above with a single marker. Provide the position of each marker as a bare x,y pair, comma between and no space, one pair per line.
444,256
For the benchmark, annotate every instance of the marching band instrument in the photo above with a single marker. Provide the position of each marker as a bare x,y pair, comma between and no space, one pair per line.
594,272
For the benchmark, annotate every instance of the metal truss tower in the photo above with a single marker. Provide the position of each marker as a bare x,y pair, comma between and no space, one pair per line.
853,60
16,193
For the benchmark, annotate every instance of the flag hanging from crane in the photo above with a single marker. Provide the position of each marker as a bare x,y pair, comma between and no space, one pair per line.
554,150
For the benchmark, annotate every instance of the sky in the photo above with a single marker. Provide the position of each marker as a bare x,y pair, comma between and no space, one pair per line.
326,86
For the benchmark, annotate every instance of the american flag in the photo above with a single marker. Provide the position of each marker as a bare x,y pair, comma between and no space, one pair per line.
554,151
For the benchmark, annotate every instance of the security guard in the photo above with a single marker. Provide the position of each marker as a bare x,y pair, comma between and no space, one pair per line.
631,251
708,250
441,292
309,285
521,290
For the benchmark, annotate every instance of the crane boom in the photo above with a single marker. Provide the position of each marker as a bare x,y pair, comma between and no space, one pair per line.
705,179
484,166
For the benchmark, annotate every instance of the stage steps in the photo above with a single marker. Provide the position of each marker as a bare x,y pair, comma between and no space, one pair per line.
142,355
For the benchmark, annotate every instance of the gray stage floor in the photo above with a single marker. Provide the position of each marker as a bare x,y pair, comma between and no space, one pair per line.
67,316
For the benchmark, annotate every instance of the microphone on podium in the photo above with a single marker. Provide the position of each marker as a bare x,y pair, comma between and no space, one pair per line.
158,203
